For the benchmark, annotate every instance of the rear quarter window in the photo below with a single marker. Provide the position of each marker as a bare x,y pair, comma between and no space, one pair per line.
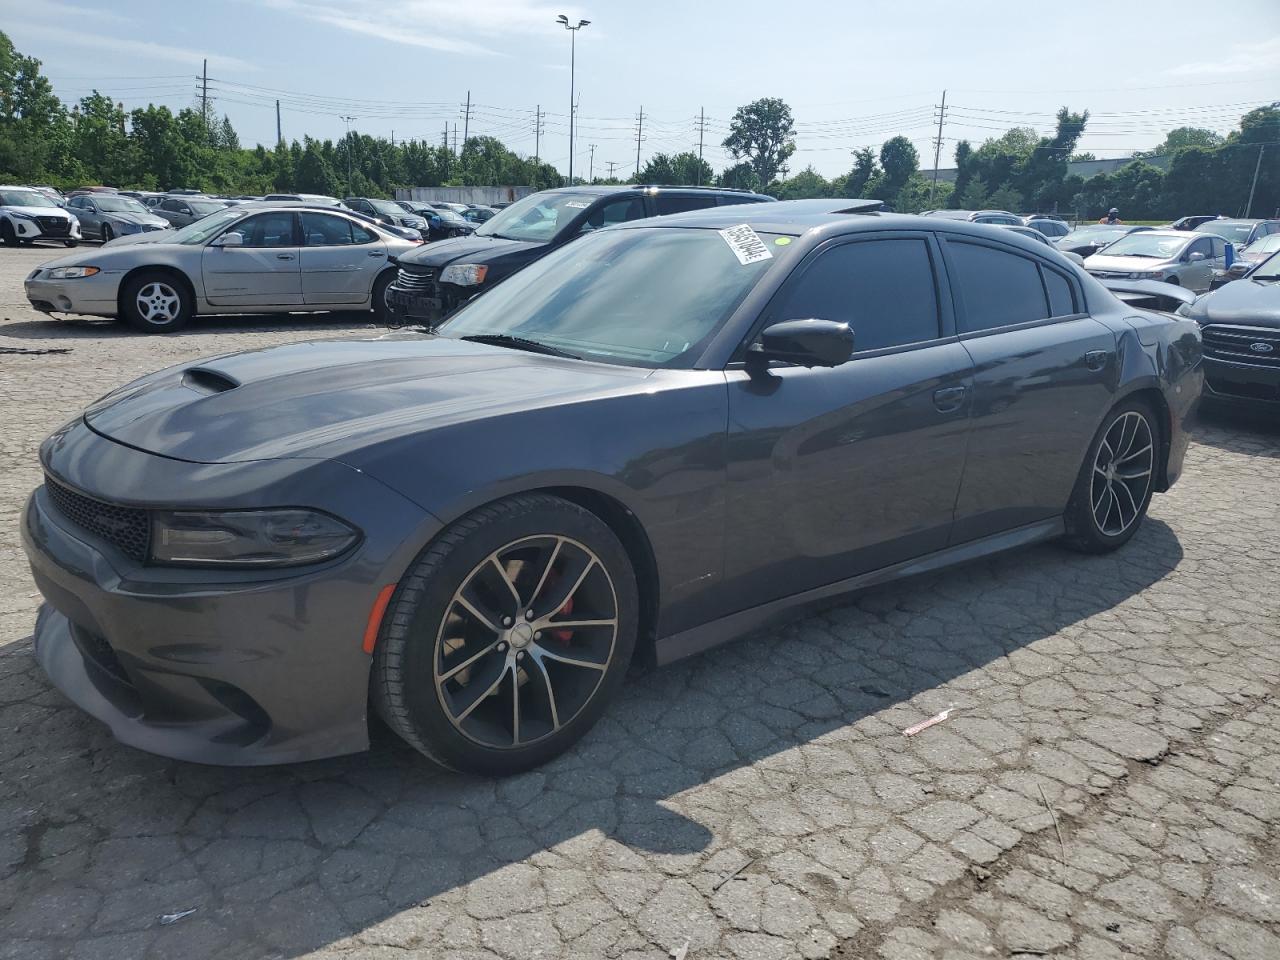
997,288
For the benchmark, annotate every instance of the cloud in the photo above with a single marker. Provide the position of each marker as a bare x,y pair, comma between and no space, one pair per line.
144,50
1250,56
444,25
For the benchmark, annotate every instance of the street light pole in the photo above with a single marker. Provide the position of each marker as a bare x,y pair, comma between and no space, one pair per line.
573,37
347,120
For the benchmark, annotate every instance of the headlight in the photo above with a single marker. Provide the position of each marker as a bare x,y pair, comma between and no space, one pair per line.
126,227
464,274
259,538
72,273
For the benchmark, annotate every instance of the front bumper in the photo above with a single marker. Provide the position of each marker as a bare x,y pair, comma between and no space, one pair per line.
1242,384
94,296
213,666
428,304
46,228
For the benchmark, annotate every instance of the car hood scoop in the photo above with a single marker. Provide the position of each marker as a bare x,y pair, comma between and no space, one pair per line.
327,398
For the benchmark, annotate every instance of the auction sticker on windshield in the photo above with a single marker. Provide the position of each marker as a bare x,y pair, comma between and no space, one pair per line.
746,244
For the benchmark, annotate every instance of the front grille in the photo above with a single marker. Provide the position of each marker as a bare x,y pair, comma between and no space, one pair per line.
419,281
54,226
128,529
1242,344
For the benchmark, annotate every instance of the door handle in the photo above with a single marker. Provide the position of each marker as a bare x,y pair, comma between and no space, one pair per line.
376,253
948,398
284,256
1095,359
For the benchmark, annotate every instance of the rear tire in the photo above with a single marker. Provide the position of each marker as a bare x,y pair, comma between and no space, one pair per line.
155,302
378,296
480,682
107,233
70,243
1116,480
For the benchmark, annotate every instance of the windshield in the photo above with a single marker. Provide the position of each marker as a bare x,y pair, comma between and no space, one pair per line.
1159,246
24,198
387,207
119,205
1269,269
649,297
1237,233
206,207
537,217
1269,244
202,230
1089,234
448,216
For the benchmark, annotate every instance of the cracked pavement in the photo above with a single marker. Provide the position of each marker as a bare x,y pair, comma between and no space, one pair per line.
1105,785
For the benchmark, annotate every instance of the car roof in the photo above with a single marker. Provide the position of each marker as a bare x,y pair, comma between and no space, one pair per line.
605,190
1242,221
1180,234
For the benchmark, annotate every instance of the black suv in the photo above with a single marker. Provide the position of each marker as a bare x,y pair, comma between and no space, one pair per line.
437,279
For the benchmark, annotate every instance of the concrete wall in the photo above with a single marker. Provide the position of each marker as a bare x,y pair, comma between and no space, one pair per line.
481,195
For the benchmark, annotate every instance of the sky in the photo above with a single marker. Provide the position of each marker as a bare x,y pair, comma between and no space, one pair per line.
855,72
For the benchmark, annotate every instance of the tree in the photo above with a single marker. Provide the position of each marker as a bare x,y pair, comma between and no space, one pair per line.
864,168
974,196
764,133
899,160
741,176
682,169
805,184
1182,138
964,170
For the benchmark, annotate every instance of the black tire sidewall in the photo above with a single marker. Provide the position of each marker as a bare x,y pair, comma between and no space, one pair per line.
416,621
7,235
378,296
129,309
1082,526
106,233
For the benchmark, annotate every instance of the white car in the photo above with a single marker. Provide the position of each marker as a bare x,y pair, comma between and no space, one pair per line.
27,215
262,258
1185,258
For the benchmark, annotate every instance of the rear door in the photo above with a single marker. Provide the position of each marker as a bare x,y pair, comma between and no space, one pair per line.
339,259
1043,376
833,472
263,271
1198,274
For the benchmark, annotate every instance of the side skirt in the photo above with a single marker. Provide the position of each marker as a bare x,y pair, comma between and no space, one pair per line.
688,642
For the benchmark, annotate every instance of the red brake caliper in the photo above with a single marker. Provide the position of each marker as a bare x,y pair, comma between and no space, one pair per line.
564,636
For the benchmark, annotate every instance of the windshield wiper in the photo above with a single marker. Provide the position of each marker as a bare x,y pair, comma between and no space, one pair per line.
520,343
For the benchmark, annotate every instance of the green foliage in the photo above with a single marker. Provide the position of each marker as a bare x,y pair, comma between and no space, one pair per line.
682,169
864,168
1183,137
741,176
764,133
805,184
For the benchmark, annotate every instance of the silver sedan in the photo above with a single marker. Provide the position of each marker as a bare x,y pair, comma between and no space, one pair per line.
259,259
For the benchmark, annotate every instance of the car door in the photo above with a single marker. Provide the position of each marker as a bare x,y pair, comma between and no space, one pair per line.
1043,378
1197,274
262,271
833,472
339,259
171,209
90,225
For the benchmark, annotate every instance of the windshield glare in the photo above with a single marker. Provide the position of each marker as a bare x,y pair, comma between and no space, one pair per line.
202,230
538,217
1269,244
386,206
24,198
645,297
1269,269
1093,233
1147,245
1235,232
120,205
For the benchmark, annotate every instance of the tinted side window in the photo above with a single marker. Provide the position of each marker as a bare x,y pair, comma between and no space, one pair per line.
268,230
1062,301
732,200
173,205
1200,246
322,230
668,204
884,290
360,235
998,289
616,211
1219,247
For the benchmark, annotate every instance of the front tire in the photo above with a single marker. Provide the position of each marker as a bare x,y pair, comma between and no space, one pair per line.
70,243
107,233
378,296
508,637
155,302
1116,481
7,237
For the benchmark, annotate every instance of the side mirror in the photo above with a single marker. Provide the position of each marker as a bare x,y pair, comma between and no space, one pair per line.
1195,257
231,239
807,343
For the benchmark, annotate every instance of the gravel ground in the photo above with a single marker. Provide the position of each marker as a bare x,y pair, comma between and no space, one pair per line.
1105,786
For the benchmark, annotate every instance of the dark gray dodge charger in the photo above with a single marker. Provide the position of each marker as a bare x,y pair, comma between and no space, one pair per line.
658,437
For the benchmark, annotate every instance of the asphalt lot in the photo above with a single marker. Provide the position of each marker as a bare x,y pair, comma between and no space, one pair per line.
1107,784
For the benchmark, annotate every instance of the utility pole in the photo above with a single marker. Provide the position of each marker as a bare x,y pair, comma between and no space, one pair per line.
1248,210
537,135
279,133
204,94
702,127
455,141
591,166
444,137
612,164
393,139
466,121
937,147
346,119
639,131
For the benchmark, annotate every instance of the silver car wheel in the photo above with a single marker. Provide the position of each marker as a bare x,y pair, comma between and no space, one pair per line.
158,303
526,641
1122,472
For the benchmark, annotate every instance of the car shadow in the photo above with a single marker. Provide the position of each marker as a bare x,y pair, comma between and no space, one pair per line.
1238,429
282,861
88,328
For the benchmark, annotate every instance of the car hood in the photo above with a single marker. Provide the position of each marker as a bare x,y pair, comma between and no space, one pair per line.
1254,303
330,398
472,249
1101,261
128,239
39,211
143,219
